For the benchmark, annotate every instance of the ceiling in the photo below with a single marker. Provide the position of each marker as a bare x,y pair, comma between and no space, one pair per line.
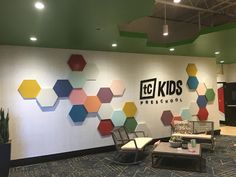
135,25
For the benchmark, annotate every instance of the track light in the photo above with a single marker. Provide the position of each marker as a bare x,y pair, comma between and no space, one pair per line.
165,26
177,1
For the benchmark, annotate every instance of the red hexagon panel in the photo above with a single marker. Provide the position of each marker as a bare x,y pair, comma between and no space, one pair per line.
76,62
202,114
221,99
105,127
92,104
105,95
167,117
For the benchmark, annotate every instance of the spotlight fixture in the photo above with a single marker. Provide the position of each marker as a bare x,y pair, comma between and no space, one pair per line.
172,49
177,1
39,5
222,61
217,52
114,45
165,26
33,39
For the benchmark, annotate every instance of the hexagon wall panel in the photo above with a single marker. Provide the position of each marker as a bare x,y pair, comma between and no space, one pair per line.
130,109
105,111
221,99
118,118
77,96
78,113
193,108
191,69
117,87
142,126
92,104
210,95
47,98
201,89
105,127
91,71
63,88
192,82
105,95
166,118
185,114
77,79
76,62
131,124
201,101
203,114
29,89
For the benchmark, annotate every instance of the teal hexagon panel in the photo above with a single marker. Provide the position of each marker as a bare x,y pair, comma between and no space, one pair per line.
78,113
185,114
118,118
192,82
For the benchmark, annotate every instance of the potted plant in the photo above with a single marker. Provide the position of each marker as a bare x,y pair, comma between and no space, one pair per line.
5,145
175,141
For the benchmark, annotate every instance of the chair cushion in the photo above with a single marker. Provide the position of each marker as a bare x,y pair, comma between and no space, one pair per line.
140,141
183,127
196,136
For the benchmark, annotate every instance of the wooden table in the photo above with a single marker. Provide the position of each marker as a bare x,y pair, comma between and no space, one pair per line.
164,150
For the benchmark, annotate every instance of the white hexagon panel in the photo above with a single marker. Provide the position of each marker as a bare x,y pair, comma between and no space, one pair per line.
77,79
47,98
193,108
91,71
117,87
105,111
201,89
142,126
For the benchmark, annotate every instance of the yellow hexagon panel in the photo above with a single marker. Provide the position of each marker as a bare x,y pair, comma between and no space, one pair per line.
29,89
191,69
130,109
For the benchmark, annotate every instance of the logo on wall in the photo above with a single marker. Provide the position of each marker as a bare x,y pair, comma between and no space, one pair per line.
152,88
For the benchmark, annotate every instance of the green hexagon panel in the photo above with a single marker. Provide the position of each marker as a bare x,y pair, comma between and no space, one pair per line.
77,79
191,69
47,98
131,124
29,89
210,95
185,114
130,109
118,118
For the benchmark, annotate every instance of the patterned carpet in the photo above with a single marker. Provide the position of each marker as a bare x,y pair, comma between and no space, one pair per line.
221,163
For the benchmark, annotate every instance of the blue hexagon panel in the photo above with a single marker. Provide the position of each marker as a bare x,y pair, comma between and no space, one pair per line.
78,113
202,101
62,88
192,82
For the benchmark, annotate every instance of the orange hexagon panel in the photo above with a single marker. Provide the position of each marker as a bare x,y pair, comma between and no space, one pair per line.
29,89
92,104
130,109
191,69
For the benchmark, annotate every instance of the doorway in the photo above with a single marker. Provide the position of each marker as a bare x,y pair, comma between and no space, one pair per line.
230,103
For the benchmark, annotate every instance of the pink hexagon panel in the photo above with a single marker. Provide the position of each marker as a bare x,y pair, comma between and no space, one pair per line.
167,117
117,87
201,89
77,96
105,95
92,104
76,62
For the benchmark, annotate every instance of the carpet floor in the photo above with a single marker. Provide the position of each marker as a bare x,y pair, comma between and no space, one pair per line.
220,163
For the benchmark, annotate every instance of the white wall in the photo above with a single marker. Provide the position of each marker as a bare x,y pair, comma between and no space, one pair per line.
231,73
36,133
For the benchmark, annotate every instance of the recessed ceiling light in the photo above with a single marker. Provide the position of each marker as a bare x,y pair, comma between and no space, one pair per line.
39,5
177,1
33,39
222,61
114,45
217,52
172,49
